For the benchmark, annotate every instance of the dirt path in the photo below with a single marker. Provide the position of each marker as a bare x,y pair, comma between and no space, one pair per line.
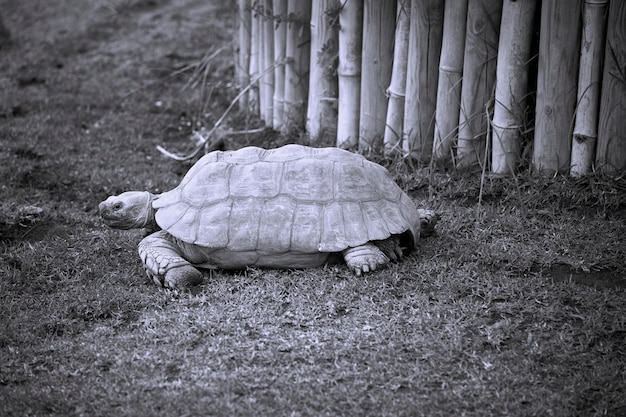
89,84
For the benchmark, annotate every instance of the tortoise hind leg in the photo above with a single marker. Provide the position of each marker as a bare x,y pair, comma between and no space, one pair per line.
391,247
364,258
164,265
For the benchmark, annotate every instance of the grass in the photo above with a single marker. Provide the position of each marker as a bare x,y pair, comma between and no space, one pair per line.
515,307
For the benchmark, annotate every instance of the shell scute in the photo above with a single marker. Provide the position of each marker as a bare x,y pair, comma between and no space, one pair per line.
210,184
243,224
261,180
276,223
333,232
372,220
308,182
354,183
248,155
354,223
287,153
305,231
212,226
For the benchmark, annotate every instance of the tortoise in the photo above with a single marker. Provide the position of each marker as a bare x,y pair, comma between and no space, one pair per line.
289,207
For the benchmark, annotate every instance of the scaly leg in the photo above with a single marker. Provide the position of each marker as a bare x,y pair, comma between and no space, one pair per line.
364,258
391,247
164,265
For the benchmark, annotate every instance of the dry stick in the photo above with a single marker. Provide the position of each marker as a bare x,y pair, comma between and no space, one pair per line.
218,122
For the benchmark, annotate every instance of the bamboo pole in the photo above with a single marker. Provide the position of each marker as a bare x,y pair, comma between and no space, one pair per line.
611,152
397,86
266,83
511,83
297,58
243,38
321,124
425,36
479,77
379,18
589,82
450,74
557,77
349,73
279,8
255,51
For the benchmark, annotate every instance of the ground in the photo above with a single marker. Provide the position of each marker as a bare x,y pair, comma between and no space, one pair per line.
515,306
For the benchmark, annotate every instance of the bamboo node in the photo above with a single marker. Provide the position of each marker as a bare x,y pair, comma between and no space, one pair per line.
510,127
580,138
349,74
392,94
451,69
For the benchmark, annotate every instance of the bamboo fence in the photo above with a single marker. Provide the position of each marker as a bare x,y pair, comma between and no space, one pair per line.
501,85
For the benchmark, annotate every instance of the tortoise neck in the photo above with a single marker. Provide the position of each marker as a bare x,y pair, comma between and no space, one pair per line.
149,221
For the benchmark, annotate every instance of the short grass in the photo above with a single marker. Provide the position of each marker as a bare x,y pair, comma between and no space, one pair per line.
517,306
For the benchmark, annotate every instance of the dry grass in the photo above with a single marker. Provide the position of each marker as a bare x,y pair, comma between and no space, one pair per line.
515,307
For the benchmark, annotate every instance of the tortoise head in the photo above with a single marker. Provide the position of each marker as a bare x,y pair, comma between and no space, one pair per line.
129,210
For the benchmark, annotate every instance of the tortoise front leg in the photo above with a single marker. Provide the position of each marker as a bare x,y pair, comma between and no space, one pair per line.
164,265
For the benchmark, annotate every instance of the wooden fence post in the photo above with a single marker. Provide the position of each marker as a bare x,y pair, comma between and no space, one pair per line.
479,77
255,51
589,86
266,83
425,37
297,55
379,18
557,78
279,8
321,122
611,152
349,73
397,86
243,38
450,76
511,84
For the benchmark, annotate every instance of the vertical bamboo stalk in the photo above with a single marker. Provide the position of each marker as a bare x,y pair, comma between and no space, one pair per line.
479,76
589,81
379,19
266,83
611,152
297,65
450,74
321,123
349,73
425,37
279,8
243,38
397,86
255,51
511,83
557,79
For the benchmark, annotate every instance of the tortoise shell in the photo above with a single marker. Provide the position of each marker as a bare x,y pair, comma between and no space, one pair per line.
290,199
